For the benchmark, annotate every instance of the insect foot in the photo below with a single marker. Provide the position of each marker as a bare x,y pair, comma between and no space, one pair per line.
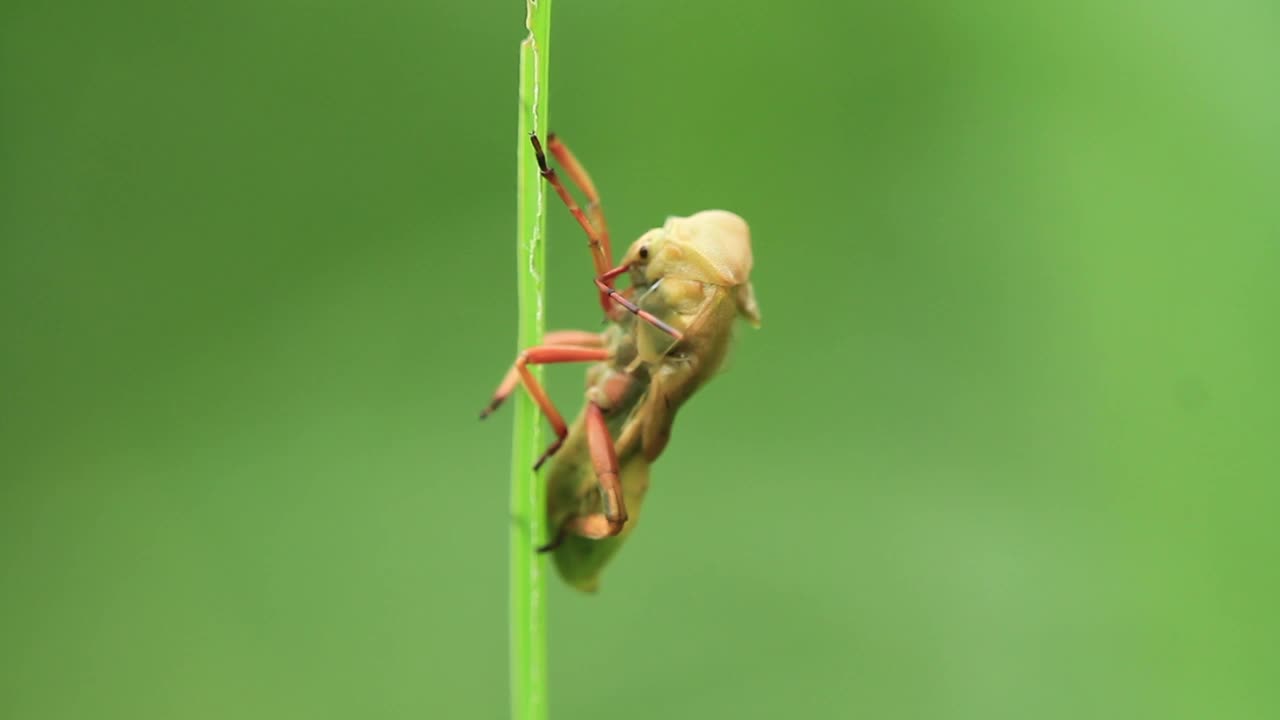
493,405
598,527
548,453
555,542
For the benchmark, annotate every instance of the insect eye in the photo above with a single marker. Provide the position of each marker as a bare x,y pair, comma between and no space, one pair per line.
644,253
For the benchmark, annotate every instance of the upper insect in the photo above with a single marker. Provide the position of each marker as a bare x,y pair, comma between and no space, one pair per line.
711,247
669,332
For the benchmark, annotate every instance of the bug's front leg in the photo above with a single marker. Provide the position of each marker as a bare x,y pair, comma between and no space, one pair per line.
579,176
544,355
605,284
596,229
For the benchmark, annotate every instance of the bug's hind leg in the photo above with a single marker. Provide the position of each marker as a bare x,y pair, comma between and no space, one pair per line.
543,355
604,460
561,533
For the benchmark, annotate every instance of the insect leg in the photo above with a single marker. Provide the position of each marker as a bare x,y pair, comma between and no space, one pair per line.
561,533
604,283
578,176
597,239
577,338
544,355
604,459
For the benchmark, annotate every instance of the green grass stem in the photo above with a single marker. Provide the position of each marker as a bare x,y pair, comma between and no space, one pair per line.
528,584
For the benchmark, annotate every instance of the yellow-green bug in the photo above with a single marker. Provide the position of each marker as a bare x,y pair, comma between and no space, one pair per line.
668,334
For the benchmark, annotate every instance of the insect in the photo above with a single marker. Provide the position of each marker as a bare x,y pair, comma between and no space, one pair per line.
668,333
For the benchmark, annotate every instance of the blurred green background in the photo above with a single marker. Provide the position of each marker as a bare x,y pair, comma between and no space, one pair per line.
1004,448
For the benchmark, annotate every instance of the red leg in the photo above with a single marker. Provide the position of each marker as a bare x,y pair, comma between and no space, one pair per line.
578,176
577,338
605,283
604,459
543,355
597,238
